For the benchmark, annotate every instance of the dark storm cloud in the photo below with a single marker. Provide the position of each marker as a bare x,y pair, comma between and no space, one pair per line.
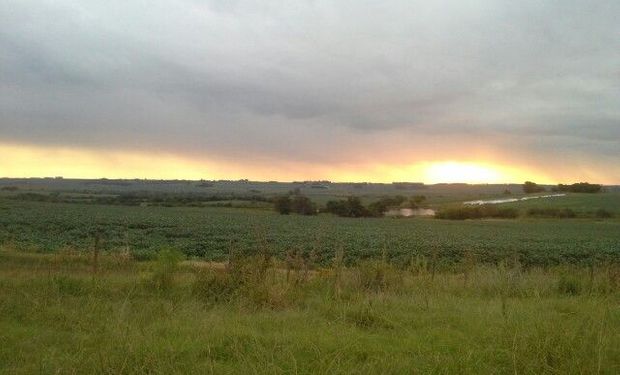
314,80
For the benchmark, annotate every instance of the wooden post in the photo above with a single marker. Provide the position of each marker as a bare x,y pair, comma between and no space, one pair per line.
96,254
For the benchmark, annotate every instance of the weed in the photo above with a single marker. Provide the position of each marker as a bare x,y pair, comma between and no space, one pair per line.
165,267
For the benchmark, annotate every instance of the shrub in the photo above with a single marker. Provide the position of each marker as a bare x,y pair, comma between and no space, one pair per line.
561,213
416,200
215,286
532,187
569,284
478,212
580,187
66,285
379,276
282,204
303,205
165,266
379,207
351,207
143,254
602,213
298,204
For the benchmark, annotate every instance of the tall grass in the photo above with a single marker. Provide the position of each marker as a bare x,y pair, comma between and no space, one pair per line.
252,315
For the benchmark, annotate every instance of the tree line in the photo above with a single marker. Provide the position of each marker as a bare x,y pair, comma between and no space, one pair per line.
352,206
530,187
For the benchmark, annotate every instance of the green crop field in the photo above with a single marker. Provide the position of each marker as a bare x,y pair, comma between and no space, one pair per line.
211,233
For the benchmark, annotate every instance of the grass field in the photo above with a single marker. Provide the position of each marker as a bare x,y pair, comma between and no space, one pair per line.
57,315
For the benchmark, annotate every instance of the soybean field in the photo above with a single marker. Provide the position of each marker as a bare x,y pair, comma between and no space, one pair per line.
213,233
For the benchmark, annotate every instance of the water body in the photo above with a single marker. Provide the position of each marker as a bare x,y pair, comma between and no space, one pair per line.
508,200
409,212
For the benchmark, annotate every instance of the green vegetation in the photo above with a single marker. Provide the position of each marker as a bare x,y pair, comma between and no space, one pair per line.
142,198
353,207
210,232
561,213
581,187
294,203
602,213
530,187
350,207
478,212
254,315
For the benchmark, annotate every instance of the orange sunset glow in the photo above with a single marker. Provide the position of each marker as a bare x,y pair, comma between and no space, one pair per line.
27,161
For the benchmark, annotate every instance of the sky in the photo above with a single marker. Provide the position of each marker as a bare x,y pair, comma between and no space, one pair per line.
432,91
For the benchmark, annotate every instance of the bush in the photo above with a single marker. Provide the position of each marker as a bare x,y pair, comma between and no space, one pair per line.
303,205
561,213
603,214
379,276
532,187
379,207
581,187
299,204
244,280
569,284
141,255
282,204
66,285
215,286
478,212
351,207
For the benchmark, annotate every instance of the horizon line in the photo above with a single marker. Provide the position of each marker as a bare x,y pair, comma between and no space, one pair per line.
59,178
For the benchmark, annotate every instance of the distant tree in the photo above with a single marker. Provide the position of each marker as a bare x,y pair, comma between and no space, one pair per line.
294,203
282,204
335,207
532,187
417,200
302,205
581,187
379,207
351,207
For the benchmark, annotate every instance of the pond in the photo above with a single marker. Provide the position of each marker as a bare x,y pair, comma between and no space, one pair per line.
409,212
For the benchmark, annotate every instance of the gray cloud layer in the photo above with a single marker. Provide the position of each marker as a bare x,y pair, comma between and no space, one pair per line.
314,80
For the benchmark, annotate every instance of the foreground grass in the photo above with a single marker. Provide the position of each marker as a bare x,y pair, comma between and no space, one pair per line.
60,315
